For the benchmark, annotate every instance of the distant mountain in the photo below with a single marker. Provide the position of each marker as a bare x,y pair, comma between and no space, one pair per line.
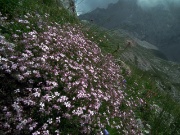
158,25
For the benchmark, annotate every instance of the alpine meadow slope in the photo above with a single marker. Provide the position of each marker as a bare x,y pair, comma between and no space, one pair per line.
59,76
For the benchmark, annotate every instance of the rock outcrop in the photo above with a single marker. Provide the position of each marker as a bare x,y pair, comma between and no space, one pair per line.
70,5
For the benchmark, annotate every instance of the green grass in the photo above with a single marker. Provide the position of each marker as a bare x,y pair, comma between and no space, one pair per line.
57,12
18,9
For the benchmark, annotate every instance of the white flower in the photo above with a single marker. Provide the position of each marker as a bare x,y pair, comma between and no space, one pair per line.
43,60
49,121
36,133
62,55
36,94
54,84
91,112
67,104
148,126
42,104
25,16
69,77
16,106
57,131
146,131
17,90
46,132
58,119
56,93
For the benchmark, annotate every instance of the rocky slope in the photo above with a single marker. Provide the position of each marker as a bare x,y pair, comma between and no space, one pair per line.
147,57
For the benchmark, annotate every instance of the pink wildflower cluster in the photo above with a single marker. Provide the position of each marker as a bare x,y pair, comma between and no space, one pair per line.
66,82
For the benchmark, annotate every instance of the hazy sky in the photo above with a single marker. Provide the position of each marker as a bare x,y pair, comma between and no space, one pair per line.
153,3
83,6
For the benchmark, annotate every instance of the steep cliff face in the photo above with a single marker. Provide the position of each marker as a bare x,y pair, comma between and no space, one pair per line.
70,5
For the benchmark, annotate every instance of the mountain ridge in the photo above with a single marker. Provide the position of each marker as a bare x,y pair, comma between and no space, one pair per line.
157,25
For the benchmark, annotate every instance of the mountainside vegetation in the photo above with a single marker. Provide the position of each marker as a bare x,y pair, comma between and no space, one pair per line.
60,76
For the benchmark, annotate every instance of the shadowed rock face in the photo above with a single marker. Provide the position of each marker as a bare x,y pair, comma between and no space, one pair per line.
158,25
69,4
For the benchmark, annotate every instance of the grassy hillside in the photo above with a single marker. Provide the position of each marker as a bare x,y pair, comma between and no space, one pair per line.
61,76
148,77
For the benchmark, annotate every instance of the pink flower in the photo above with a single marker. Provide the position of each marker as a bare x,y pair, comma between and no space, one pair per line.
37,94
14,66
36,133
67,104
